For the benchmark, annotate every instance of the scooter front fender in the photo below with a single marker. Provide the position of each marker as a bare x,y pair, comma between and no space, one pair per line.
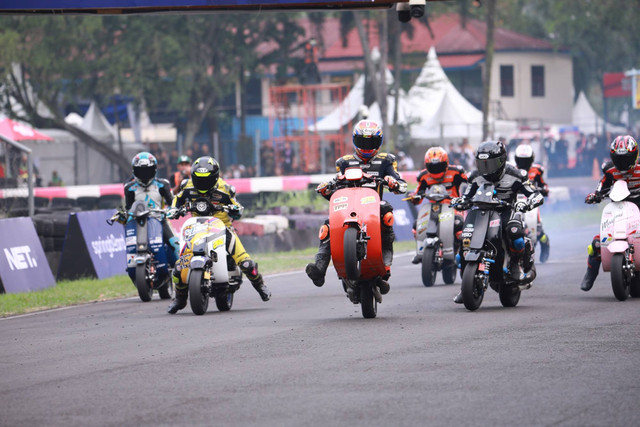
618,246
431,242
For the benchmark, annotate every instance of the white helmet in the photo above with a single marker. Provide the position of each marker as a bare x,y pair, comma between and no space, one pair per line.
524,156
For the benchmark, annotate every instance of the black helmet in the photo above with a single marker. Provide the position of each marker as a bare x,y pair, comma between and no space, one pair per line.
491,159
624,152
205,172
144,166
184,159
524,157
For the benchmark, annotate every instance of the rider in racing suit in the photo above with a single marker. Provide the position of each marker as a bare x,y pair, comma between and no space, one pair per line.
367,139
155,192
623,165
524,158
508,181
438,171
206,183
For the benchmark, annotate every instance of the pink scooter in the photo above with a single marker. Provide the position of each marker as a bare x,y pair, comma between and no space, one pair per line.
619,237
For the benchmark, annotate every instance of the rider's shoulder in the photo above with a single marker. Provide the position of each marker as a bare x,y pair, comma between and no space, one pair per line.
387,156
514,171
163,182
607,166
224,186
130,185
422,174
456,168
537,166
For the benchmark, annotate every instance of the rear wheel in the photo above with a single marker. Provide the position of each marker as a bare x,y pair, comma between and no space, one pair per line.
198,299
351,262
472,287
509,295
144,290
368,301
449,271
225,301
429,271
619,281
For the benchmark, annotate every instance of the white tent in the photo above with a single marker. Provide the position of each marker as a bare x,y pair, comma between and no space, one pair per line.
348,109
97,125
404,110
585,117
439,111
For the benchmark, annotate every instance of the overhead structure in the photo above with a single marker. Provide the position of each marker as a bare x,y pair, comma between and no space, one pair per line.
439,111
587,120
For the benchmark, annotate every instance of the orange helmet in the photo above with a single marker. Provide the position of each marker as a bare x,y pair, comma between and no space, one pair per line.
436,160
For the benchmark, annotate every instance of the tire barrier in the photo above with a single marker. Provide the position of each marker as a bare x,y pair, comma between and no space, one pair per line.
23,264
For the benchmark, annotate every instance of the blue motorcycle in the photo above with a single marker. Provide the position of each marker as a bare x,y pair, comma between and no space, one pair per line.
149,259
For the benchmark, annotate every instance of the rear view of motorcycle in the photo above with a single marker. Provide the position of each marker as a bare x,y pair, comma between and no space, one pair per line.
435,237
485,258
148,258
212,273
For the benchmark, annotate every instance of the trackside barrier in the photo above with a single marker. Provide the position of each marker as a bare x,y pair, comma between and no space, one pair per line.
23,265
92,248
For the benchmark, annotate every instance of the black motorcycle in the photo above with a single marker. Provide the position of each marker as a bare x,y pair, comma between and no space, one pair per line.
485,260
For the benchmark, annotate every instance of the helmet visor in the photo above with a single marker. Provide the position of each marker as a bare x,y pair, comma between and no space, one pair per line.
144,173
524,162
436,168
624,162
489,166
204,182
364,143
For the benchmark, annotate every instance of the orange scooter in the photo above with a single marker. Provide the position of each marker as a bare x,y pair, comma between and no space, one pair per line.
356,241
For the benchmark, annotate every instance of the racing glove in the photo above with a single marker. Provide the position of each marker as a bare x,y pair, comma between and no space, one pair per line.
234,211
594,197
521,206
392,182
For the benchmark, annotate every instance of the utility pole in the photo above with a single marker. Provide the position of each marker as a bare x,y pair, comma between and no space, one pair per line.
488,64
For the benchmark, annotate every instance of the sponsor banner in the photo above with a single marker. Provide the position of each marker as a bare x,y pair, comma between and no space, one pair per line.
403,216
23,265
92,248
616,85
636,91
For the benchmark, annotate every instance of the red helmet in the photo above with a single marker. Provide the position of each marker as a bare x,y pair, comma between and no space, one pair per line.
624,152
367,139
436,160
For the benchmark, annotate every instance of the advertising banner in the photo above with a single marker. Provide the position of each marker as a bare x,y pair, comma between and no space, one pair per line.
403,216
636,92
616,85
23,265
93,248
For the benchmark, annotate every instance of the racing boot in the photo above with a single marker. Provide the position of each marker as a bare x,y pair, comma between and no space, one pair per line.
517,273
417,259
316,271
180,300
250,269
593,267
544,247
458,298
388,236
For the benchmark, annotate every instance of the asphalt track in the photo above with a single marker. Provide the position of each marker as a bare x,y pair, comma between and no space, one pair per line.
308,358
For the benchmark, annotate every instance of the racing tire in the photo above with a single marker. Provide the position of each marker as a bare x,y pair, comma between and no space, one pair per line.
449,272
198,300
351,262
224,302
429,271
472,287
619,283
368,301
145,291
509,295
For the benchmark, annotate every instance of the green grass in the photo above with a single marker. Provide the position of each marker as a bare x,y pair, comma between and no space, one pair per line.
90,290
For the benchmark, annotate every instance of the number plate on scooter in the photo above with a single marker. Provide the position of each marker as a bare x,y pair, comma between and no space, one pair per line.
480,267
206,275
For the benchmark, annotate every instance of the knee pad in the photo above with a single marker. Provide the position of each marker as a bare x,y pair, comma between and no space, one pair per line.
323,233
385,207
175,244
515,229
249,268
518,244
387,219
458,223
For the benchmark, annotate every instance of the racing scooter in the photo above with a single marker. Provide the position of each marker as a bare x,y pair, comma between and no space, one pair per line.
148,258
485,257
619,237
356,240
435,236
211,271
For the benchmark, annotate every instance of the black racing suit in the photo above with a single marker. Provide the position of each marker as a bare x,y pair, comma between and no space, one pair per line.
381,165
513,182
156,195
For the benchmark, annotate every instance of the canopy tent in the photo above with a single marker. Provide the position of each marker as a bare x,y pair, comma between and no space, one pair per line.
404,110
20,131
348,109
439,111
585,117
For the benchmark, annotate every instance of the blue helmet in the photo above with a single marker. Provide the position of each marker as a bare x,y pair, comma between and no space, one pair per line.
144,166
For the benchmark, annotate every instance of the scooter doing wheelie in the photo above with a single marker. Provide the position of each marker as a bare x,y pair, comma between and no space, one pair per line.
356,240
619,236
148,257
435,236
212,272
485,258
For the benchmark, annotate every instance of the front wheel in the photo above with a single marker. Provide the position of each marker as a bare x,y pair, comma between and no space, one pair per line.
472,287
225,301
619,282
449,271
198,299
145,291
351,262
368,301
509,295
429,270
